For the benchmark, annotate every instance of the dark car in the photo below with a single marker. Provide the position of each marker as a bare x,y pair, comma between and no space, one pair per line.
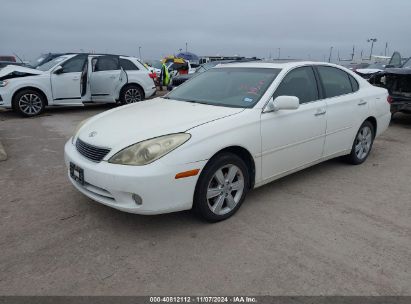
398,83
179,79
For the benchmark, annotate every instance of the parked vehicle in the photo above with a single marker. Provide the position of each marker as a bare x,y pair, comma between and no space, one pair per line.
398,83
73,80
6,63
8,58
376,67
230,129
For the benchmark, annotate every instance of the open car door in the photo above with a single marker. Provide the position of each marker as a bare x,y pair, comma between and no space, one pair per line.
105,78
85,84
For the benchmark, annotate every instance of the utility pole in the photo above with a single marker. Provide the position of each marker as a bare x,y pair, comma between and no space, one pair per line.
331,52
386,48
353,53
139,53
279,53
186,47
372,40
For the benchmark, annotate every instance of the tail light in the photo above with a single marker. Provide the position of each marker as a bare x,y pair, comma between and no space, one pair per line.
152,75
390,99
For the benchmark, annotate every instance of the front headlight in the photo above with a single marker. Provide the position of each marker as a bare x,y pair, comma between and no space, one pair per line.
147,151
78,129
3,83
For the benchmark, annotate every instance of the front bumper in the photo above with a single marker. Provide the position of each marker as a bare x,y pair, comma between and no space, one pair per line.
113,185
5,98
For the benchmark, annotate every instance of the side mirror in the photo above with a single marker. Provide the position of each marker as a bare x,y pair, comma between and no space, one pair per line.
58,70
283,103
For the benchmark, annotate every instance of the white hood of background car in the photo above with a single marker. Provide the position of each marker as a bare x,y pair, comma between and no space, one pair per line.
15,68
368,71
127,125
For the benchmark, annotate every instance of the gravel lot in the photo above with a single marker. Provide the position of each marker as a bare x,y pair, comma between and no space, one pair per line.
333,229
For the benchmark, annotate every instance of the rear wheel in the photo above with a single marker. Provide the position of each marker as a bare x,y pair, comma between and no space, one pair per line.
29,103
362,145
131,94
221,188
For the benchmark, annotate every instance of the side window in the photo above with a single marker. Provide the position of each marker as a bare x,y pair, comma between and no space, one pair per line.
299,82
106,63
354,84
75,64
335,81
128,65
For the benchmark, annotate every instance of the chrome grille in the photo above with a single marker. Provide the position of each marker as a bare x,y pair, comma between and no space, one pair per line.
91,152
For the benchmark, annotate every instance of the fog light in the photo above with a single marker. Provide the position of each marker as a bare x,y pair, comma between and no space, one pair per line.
137,199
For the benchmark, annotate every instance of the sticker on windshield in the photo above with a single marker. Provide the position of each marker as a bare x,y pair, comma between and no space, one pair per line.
60,59
248,99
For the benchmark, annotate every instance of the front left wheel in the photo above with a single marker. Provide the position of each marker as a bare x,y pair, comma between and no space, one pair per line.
29,103
221,188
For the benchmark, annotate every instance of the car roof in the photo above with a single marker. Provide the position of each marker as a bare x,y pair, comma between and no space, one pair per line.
274,64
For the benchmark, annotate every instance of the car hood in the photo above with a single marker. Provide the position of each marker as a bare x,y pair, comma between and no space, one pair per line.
14,71
368,71
126,125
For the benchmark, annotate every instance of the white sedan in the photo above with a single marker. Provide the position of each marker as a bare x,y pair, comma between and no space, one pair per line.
231,129
75,79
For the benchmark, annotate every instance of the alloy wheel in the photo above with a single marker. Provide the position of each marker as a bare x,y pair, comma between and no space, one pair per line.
363,142
30,104
132,95
225,189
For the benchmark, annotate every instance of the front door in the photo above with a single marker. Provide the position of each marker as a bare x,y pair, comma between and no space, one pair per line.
294,138
66,82
105,77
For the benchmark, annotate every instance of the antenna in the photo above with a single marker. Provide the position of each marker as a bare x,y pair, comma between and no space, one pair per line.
17,56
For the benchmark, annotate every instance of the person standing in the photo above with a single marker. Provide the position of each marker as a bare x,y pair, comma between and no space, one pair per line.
164,76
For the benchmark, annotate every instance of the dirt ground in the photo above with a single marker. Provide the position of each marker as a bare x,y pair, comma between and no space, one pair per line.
333,229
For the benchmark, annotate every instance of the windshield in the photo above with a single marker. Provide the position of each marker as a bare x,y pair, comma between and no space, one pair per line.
36,62
407,65
50,64
230,87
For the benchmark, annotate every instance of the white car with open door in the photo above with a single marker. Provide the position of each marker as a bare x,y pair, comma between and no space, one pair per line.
73,80
230,129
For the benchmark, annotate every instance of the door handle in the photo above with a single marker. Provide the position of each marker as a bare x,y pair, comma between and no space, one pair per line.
76,78
362,102
320,112
113,77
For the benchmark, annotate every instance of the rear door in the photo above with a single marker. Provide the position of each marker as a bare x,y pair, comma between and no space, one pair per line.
346,108
105,77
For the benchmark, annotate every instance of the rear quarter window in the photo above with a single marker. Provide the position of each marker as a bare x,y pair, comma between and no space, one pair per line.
336,82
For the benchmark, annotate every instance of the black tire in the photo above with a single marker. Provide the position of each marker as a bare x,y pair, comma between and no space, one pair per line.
131,94
203,205
359,151
29,103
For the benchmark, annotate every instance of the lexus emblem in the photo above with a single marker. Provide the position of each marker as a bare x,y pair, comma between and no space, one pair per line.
92,134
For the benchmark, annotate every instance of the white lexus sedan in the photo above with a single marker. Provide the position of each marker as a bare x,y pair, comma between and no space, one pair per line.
75,79
231,129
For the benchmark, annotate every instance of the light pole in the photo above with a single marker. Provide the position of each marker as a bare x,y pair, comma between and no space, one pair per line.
279,53
186,47
372,40
139,52
331,52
